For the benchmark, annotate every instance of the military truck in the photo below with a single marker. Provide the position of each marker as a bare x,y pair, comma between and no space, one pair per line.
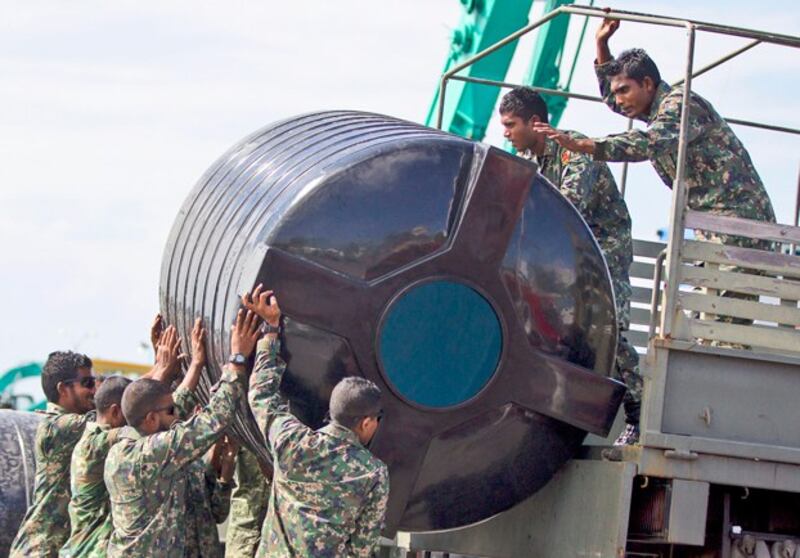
717,471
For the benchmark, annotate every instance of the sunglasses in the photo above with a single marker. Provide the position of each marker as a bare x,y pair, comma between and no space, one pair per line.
170,410
87,381
379,416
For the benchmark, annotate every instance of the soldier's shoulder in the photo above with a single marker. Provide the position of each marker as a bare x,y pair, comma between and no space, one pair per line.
373,465
121,449
70,422
671,101
573,157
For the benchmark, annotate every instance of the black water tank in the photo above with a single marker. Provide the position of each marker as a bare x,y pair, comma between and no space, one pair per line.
17,471
449,272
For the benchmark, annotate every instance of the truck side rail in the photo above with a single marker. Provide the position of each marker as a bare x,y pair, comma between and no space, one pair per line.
708,269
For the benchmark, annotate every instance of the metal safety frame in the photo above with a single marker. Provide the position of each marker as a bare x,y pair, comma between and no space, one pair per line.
679,190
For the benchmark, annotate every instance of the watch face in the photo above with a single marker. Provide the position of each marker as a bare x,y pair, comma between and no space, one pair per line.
238,359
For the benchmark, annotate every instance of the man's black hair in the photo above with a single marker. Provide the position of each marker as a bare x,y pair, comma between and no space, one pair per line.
636,65
141,397
110,392
353,399
525,103
61,366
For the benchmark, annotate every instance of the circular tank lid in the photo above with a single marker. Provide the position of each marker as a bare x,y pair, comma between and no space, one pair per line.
439,343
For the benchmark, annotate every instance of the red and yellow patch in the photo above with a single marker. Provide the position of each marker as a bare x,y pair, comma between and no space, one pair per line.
565,155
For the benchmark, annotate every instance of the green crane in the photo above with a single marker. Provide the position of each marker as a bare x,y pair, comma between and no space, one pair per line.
468,106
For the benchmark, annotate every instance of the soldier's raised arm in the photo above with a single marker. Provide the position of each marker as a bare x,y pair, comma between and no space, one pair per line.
264,396
603,59
184,442
184,397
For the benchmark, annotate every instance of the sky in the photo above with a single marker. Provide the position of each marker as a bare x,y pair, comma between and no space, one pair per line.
112,111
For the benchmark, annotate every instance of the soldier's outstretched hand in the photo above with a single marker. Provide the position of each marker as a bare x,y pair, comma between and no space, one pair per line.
198,343
263,303
563,139
245,333
168,354
156,330
224,458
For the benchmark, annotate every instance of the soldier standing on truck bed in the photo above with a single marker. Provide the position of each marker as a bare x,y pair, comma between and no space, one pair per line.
720,176
591,188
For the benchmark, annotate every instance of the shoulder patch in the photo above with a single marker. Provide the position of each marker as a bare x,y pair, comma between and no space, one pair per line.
565,156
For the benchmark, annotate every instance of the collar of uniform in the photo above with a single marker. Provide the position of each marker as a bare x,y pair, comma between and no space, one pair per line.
94,425
55,408
550,152
130,433
661,92
339,431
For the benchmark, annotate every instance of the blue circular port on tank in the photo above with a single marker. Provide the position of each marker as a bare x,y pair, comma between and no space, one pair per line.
440,343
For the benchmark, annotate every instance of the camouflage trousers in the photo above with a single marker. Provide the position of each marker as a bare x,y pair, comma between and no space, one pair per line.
626,369
249,502
627,372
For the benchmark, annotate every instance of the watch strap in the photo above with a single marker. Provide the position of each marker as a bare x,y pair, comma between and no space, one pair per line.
237,358
267,328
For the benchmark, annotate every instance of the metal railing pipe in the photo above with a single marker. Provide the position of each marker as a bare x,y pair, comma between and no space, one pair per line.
544,90
679,201
771,127
774,38
720,61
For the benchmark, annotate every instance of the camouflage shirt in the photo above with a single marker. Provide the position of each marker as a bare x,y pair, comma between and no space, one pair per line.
89,509
329,493
45,527
591,188
249,501
146,477
719,173
207,504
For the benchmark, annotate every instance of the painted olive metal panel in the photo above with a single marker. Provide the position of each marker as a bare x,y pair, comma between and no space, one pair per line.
688,509
560,520
345,215
17,471
714,396
714,468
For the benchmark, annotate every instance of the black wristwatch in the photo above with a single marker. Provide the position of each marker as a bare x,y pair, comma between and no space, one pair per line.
238,359
267,328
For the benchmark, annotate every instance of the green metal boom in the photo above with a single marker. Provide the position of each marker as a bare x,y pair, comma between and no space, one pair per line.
469,106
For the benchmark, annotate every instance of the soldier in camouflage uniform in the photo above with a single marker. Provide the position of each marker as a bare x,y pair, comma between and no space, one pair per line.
720,176
69,386
145,471
89,509
208,499
591,188
249,502
329,493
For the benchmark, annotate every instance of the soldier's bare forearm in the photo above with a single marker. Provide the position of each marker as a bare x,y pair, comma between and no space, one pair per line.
192,377
585,145
603,52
